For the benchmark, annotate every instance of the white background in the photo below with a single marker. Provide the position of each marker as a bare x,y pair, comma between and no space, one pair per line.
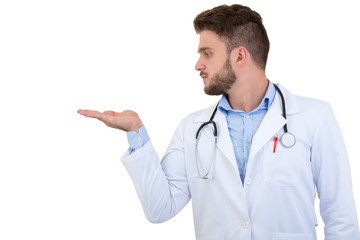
60,173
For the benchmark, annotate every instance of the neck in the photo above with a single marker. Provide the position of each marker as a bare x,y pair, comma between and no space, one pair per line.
247,93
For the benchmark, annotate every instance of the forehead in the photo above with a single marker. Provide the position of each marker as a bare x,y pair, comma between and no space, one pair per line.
210,40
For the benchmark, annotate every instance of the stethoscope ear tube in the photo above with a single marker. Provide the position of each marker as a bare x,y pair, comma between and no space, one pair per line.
205,124
206,175
211,121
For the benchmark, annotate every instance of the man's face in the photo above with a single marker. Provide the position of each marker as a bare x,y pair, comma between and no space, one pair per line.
214,64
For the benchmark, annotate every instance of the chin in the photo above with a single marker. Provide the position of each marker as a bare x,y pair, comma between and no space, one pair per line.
212,92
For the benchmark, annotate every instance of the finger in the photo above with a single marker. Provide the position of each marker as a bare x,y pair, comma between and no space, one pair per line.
81,112
90,113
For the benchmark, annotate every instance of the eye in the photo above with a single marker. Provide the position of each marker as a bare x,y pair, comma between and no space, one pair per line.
207,54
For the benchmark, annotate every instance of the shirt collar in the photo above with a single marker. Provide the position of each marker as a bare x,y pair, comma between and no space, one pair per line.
224,105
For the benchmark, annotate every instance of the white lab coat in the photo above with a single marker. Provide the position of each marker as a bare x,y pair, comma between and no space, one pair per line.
277,199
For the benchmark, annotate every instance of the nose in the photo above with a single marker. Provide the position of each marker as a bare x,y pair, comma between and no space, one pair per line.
199,66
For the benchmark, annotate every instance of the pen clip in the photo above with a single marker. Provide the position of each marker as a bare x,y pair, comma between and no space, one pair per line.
275,142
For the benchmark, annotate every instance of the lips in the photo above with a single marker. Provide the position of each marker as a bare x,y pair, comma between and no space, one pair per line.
203,75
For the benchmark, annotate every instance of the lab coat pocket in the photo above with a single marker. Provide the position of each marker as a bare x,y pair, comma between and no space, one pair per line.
282,167
292,236
213,237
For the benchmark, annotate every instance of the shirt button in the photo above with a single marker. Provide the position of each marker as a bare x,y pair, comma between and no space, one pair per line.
247,116
246,144
139,138
248,181
246,224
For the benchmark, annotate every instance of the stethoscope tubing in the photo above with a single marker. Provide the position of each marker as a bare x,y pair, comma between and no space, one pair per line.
283,106
287,139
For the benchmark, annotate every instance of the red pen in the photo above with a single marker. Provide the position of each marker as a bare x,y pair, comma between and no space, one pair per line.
275,142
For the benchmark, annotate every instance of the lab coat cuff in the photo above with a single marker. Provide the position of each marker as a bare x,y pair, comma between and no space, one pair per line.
129,157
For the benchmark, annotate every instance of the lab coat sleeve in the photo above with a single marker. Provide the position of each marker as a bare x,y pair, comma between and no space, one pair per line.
331,171
161,186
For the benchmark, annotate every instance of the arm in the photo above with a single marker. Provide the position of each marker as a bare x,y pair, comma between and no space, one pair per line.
162,188
332,177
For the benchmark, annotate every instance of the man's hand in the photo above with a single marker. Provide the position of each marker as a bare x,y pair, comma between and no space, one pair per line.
127,120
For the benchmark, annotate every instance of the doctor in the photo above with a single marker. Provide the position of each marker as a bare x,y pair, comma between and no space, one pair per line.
246,178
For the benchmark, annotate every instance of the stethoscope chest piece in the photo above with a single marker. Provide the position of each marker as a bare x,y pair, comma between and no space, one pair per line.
288,140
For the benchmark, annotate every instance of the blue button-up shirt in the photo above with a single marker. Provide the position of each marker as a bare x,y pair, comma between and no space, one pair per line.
242,126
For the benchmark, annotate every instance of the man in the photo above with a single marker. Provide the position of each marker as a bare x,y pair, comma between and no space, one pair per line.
252,163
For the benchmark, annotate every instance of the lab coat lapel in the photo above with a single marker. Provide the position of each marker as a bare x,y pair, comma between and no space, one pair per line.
273,120
224,143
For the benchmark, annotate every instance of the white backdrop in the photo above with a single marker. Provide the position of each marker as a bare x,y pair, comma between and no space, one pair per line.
60,173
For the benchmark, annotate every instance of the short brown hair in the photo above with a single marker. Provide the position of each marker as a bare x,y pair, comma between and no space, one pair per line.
237,25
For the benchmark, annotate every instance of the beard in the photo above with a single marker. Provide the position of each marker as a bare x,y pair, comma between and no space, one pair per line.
222,81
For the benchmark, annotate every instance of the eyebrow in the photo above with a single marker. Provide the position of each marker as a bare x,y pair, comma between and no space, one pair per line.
203,49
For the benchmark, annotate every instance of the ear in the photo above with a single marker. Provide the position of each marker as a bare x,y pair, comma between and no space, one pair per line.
241,55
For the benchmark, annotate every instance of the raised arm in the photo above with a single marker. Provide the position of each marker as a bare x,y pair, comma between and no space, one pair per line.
162,188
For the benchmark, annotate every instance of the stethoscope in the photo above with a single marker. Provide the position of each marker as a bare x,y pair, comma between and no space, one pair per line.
288,139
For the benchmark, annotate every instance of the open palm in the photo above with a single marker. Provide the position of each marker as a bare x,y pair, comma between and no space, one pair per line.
127,120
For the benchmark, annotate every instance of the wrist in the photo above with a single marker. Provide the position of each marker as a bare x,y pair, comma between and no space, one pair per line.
136,127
